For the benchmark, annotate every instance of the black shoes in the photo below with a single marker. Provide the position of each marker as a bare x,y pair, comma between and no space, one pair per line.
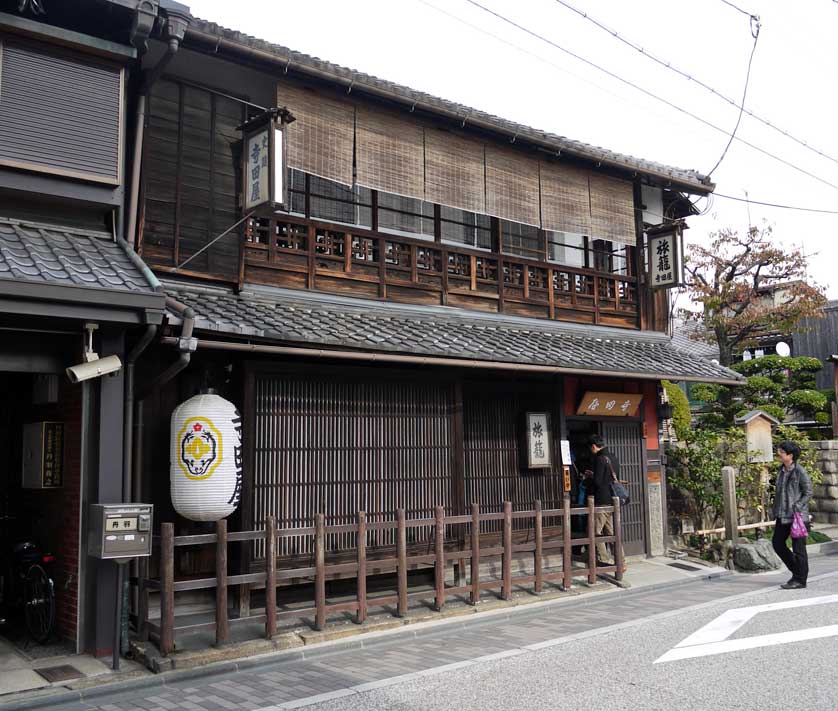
793,585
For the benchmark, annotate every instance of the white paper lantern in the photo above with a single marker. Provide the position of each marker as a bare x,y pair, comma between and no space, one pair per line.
205,458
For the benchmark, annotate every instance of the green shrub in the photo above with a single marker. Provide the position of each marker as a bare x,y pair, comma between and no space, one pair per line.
681,418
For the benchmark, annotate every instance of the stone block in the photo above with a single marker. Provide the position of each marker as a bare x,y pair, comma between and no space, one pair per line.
829,467
830,479
829,505
819,491
755,557
833,518
832,492
821,517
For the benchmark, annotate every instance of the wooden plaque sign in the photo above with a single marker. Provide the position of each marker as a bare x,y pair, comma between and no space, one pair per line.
609,404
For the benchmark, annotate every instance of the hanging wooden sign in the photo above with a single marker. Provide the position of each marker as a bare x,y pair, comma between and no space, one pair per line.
609,404
539,454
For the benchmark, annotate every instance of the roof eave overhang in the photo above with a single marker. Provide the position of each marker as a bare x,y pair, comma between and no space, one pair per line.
450,362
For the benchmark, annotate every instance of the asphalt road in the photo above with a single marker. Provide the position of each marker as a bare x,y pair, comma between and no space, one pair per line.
617,669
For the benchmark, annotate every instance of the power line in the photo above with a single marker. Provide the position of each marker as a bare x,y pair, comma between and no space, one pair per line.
744,12
755,32
774,204
686,75
650,94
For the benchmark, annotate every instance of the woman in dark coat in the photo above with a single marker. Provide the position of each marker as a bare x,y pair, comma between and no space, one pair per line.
792,493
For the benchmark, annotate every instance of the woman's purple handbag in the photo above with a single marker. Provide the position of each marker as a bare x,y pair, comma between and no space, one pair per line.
798,527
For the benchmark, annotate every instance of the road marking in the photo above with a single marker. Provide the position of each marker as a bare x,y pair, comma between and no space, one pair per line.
713,637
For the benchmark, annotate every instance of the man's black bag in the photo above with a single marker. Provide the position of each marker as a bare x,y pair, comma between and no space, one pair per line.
617,489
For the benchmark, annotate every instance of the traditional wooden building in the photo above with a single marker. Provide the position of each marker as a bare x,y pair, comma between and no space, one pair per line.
440,286
436,275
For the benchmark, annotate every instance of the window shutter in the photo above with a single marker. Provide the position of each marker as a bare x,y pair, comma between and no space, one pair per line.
565,199
512,186
60,112
321,139
390,153
455,171
612,209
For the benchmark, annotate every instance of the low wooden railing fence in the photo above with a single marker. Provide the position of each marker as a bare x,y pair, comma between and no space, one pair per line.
164,631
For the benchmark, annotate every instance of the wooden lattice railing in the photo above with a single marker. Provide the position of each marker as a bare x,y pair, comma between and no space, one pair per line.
319,569
317,255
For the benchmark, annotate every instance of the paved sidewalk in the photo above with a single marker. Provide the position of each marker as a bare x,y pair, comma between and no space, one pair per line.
301,677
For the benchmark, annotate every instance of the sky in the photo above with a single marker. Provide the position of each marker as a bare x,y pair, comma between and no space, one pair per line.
457,51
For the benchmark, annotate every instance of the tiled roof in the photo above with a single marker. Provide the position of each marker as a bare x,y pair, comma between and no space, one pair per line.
682,338
295,318
67,256
361,81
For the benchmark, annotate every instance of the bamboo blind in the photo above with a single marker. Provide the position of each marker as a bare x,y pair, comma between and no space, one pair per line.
320,141
512,186
455,174
390,153
612,209
565,199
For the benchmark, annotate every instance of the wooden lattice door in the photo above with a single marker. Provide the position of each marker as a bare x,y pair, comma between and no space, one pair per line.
625,440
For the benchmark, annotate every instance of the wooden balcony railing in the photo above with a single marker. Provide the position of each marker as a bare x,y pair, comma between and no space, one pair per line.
299,253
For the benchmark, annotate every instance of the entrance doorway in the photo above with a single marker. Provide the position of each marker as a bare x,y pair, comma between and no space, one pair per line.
625,440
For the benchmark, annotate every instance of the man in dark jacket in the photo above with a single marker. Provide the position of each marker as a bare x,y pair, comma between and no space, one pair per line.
606,469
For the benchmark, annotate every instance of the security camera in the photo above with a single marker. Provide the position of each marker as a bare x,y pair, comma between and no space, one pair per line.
94,368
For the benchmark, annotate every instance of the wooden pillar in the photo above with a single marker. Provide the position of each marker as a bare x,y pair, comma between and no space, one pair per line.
475,554
270,577
167,588
591,541
362,568
538,548
567,541
319,571
221,622
507,550
439,564
618,543
401,545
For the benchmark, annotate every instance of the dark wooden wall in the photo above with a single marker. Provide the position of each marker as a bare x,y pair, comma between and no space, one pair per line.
189,179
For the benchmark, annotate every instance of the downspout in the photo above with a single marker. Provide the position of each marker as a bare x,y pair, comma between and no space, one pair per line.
187,345
173,32
128,418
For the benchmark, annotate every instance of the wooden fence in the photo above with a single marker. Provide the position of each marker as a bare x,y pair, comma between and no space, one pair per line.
164,631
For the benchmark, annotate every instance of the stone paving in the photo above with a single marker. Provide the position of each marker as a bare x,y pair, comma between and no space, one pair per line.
286,681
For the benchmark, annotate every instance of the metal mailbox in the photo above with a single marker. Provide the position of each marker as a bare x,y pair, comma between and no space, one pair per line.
119,531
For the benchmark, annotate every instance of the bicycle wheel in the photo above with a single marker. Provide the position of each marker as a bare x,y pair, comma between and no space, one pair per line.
39,603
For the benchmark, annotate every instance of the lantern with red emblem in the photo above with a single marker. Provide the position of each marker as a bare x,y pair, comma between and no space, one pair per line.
205,458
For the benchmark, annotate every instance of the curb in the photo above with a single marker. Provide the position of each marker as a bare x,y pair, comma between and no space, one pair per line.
375,639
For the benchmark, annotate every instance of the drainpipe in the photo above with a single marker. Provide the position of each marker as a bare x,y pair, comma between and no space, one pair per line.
174,30
187,345
128,418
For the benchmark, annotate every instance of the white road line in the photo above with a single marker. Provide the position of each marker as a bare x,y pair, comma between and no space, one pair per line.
713,637
736,645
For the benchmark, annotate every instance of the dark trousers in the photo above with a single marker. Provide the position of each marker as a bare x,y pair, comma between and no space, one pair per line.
796,559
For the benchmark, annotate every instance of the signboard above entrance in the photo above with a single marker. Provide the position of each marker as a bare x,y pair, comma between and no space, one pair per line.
666,257
609,404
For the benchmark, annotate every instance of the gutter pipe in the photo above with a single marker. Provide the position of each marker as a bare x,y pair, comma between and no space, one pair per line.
186,344
433,361
128,417
215,44
175,28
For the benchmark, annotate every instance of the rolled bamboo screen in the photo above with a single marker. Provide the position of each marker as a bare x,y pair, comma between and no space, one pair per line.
455,173
512,191
321,139
612,209
390,153
565,199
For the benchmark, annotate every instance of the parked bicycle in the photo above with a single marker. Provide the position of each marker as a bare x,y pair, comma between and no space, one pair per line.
26,585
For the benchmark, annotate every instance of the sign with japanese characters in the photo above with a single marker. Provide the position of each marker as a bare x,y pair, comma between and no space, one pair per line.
666,261
264,163
257,180
609,404
539,453
53,462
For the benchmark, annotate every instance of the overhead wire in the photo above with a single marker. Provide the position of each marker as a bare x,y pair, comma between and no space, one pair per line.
686,75
755,33
651,94
739,9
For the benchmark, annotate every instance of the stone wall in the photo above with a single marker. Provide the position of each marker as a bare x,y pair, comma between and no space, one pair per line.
825,504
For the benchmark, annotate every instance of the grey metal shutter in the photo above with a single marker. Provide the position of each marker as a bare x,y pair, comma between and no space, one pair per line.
60,113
